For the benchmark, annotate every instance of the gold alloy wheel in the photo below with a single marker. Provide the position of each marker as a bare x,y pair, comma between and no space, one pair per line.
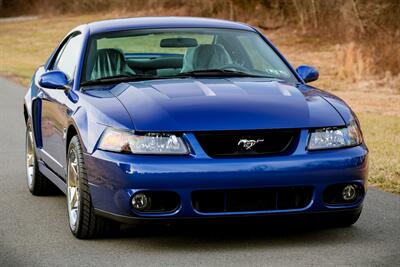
30,159
73,196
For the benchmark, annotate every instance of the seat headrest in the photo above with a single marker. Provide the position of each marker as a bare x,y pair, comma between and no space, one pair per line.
210,56
109,62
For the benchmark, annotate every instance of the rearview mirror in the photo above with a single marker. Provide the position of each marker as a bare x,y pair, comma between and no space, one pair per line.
178,42
307,73
54,79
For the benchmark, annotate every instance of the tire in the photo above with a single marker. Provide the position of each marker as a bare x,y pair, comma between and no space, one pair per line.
83,222
38,184
345,219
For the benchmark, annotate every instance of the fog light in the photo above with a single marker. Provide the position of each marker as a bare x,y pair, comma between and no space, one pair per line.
140,201
349,192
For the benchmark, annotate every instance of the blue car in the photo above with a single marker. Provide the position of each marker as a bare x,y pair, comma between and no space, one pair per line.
187,118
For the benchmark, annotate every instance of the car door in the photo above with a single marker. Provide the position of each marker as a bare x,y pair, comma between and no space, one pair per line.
54,106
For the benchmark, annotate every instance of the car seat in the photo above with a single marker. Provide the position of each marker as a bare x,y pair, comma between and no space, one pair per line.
110,62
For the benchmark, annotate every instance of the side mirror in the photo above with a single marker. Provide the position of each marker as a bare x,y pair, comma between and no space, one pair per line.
307,73
54,79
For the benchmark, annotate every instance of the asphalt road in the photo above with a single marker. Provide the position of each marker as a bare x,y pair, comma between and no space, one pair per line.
34,230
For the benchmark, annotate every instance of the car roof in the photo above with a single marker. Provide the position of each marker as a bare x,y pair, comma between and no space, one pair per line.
163,22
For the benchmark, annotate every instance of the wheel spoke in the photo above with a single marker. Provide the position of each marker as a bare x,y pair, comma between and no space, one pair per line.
74,168
30,158
73,188
74,197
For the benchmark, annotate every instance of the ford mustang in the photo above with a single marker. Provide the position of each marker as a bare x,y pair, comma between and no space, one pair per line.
187,118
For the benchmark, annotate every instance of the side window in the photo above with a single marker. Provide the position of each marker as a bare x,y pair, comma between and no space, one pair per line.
67,58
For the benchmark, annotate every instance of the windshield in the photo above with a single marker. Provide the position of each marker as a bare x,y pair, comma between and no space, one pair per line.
182,52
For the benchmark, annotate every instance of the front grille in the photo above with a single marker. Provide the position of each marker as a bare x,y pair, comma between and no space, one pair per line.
283,198
248,143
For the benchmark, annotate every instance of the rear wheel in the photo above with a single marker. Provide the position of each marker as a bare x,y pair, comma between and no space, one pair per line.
37,183
82,220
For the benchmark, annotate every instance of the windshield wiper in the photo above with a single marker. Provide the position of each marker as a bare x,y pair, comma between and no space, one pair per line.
221,72
195,73
120,78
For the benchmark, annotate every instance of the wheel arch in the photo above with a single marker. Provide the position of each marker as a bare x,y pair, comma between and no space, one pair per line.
91,116
71,132
26,116
84,122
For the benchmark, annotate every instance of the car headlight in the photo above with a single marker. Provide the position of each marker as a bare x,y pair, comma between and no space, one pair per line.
150,143
335,137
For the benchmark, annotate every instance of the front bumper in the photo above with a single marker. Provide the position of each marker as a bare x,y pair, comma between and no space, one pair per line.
114,178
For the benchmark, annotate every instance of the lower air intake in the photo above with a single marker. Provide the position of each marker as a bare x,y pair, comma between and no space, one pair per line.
284,198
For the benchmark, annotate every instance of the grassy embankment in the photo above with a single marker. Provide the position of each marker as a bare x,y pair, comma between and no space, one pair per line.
26,44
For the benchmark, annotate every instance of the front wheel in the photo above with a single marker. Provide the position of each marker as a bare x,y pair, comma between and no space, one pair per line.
37,183
82,220
341,219
346,220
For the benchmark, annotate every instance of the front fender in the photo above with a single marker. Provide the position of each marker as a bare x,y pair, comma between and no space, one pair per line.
340,105
92,114
88,129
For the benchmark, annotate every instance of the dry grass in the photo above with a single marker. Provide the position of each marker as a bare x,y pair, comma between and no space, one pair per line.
344,70
25,45
354,64
382,137
368,31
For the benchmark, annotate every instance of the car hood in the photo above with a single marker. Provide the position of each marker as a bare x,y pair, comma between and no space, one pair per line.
223,104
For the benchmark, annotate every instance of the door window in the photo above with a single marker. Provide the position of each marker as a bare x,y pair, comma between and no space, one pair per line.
67,58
